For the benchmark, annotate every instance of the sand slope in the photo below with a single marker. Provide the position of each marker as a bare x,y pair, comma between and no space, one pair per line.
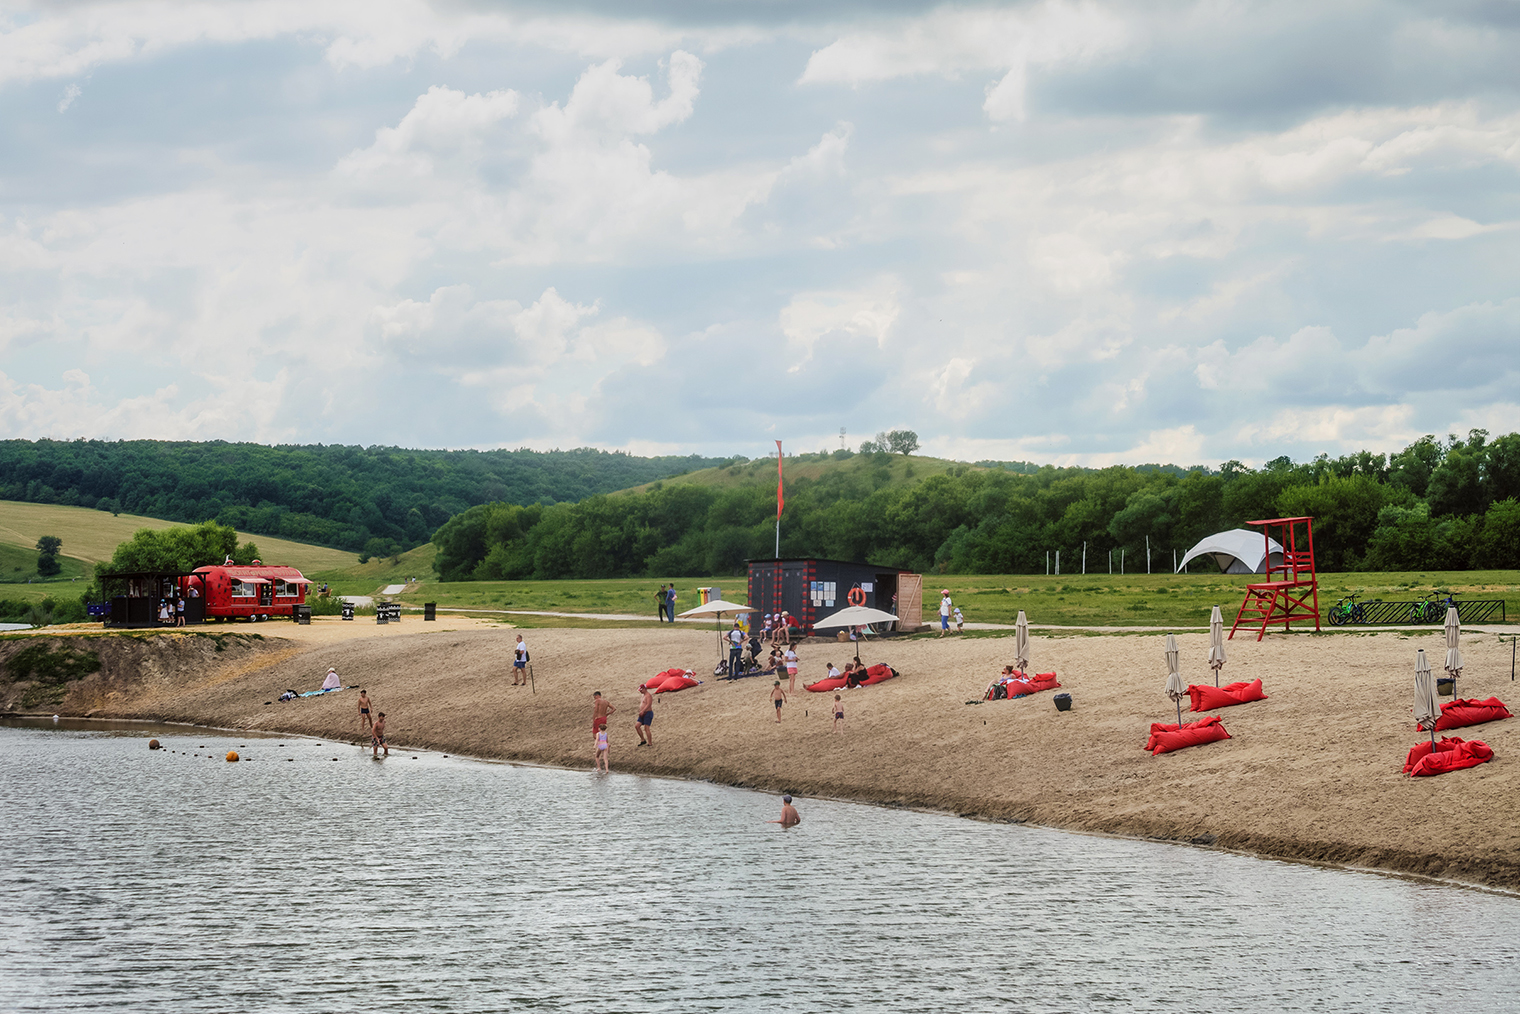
1313,773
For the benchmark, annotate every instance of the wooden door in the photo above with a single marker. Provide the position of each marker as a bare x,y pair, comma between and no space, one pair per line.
910,601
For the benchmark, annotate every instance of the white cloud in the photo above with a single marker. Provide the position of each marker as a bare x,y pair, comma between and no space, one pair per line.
441,120
813,317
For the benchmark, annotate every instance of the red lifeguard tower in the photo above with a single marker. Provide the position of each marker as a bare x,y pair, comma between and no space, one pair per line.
1291,590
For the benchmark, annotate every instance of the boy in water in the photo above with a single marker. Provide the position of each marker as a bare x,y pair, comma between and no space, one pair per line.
778,696
838,714
377,737
365,722
789,817
644,726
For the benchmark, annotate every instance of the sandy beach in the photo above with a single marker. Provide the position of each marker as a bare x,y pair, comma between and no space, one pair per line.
1311,774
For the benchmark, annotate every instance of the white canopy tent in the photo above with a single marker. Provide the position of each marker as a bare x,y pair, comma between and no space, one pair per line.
1238,551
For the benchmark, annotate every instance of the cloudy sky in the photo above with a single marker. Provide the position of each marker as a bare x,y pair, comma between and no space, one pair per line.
1068,232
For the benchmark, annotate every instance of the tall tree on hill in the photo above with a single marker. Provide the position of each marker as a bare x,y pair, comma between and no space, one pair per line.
47,555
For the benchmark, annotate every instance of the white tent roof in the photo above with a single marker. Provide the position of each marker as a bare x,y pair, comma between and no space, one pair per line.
1238,551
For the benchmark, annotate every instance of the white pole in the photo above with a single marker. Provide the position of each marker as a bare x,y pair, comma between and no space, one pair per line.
1121,563
1058,563
1047,563
1084,557
1147,554
1110,562
1174,559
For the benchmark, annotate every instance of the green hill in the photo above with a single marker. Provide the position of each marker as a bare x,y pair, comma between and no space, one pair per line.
376,499
877,470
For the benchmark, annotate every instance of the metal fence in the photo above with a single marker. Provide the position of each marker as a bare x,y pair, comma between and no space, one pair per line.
1417,611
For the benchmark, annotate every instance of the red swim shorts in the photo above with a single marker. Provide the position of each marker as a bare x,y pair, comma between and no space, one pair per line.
598,724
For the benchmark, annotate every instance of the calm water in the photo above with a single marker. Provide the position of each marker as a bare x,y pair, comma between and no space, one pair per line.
133,880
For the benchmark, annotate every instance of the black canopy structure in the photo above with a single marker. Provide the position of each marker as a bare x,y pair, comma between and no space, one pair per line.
135,596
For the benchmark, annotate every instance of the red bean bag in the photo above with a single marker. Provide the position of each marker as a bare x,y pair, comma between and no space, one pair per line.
878,673
1166,738
1032,684
673,683
823,686
1208,698
1455,714
660,677
1450,754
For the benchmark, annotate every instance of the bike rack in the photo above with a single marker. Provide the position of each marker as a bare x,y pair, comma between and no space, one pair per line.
1379,613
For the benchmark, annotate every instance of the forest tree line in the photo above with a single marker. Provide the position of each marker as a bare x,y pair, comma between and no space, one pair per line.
376,500
1450,504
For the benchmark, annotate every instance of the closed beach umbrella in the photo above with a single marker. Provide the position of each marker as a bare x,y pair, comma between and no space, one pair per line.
1453,648
1175,688
1426,708
1216,643
1021,642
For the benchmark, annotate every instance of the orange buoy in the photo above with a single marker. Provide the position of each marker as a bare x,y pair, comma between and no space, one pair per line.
232,755
857,596
153,744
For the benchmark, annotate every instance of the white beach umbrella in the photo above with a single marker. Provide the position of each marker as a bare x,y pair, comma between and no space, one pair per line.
855,616
1426,708
1176,689
1216,643
717,608
1453,648
1021,642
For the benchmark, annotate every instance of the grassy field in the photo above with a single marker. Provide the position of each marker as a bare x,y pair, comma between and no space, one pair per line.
18,564
92,536
1181,600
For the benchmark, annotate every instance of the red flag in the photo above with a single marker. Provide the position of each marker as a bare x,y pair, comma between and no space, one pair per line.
780,493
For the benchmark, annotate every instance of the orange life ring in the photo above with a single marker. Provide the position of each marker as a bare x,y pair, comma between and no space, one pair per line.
856,596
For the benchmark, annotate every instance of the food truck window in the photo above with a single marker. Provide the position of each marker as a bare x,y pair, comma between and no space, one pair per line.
243,591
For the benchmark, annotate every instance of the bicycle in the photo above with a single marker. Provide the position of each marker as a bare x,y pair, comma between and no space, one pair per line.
1347,610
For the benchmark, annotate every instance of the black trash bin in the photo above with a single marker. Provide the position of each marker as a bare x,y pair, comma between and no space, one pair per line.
301,614
348,610
383,612
394,608
430,610
1063,702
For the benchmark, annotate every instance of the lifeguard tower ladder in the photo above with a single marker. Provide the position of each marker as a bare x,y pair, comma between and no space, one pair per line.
1291,590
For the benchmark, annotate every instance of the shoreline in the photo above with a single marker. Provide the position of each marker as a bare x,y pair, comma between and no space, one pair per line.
937,810
1310,775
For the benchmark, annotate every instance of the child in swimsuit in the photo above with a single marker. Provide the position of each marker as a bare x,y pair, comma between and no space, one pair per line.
600,762
838,713
778,697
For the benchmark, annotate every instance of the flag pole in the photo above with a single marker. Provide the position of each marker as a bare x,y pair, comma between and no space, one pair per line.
780,498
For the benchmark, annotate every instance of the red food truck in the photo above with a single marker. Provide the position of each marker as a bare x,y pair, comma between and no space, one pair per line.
256,591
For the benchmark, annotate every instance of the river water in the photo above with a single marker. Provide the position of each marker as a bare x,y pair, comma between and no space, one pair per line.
138,880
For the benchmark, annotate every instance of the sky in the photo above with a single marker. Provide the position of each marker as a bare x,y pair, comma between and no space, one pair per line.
1077,233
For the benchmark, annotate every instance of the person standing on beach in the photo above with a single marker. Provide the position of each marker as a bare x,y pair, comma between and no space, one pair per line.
778,696
377,737
945,605
838,715
599,761
791,669
365,722
670,603
735,649
662,602
789,817
600,710
644,726
520,663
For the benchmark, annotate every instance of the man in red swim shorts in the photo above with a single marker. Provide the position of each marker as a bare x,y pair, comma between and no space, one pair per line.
600,709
